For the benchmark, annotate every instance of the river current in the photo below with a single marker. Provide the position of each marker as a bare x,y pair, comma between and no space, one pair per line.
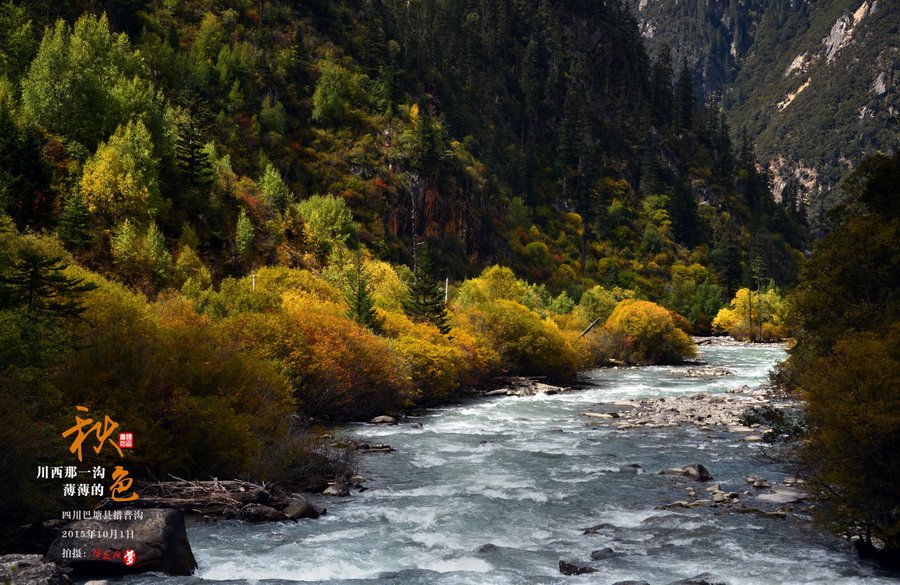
527,475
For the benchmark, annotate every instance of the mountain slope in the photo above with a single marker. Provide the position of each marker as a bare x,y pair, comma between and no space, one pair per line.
814,82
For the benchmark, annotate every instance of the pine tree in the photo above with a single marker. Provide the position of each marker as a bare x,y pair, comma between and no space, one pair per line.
425,301
74,224
37,285
358,296
243,236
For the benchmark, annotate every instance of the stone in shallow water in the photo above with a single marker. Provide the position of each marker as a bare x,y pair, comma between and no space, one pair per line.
603,553
575,568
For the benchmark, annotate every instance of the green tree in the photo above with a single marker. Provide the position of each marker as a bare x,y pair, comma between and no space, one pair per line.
337,91
274,191
120,180
425,301
85,81
327,222
358,296
243,236
846,361
74,224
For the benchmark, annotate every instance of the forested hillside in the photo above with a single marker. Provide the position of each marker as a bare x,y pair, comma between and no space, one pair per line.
813,82
539,136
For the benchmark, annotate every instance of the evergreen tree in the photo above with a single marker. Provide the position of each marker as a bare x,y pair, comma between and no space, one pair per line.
358,296
37,285
425,301
74,226
243,236
191,159
684,97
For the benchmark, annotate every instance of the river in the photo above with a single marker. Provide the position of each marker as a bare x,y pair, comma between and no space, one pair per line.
527,475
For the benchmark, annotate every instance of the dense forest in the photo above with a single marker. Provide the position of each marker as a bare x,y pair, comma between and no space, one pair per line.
222,222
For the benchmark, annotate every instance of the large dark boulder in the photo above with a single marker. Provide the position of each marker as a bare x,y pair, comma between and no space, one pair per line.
695,471
567,568
260,513
159,542
30,570
299,507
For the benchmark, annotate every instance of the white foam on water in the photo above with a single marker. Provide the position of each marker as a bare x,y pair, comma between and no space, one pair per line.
466,564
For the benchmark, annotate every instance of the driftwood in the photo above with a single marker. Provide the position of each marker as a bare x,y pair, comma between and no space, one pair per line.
198,497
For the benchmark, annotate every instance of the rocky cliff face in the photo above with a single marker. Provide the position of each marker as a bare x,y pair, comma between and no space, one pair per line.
813,81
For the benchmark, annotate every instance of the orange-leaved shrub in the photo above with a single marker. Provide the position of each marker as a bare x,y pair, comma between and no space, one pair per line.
438,364
337,368
641,332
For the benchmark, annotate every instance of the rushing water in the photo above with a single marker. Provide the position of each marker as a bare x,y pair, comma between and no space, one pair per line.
527,475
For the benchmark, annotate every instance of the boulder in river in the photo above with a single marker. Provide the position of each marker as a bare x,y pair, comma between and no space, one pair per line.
159,543
702,579
567,568
30,570
603,553
336,489
631,583
299,507
487,548
383,420
695,471
260,513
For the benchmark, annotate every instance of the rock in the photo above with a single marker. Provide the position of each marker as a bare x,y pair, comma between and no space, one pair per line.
713,489
702,579
575,568
299,507
761,483
261,513
30,570
598,415
783,495
596,529
160,544
631,583
718,498
336,489
488,548
383,420
780,513
603,553
101,582
632,468
695,471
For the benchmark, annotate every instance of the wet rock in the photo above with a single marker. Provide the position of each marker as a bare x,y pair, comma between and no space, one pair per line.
761,483
631,583
30,570
783,495
603,553
339,490
702,579
779,513
702,373
567,568
598,528
261,513
160,544
695,471
487,548
383,420
299,507
632,468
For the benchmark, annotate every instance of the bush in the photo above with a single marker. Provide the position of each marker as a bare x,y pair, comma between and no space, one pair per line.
526,343
338,369
645,333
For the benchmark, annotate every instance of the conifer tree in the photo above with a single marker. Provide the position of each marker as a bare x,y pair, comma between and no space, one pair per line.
425,301
358,296
74,224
